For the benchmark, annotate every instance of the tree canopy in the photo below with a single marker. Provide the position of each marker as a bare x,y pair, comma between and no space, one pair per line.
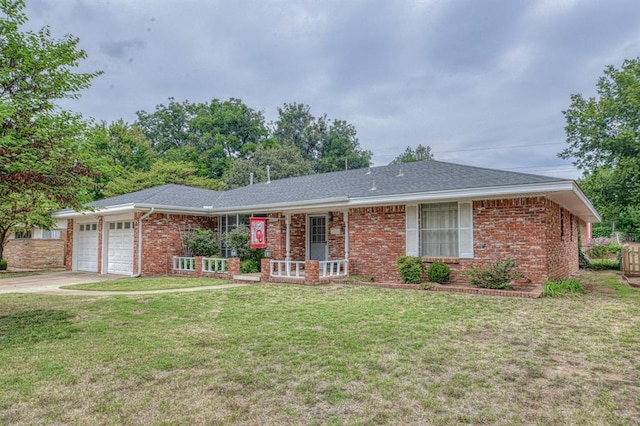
329,145
43,163
603,134
410,155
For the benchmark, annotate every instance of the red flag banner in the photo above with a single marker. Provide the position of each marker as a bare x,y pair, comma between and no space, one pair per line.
258,232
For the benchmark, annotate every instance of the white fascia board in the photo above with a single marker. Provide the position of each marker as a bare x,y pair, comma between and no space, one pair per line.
123,208
289,206
467,193
578,191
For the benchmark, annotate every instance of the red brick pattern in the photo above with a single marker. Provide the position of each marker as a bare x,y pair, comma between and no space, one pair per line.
36,253
161,236
335,235
376,240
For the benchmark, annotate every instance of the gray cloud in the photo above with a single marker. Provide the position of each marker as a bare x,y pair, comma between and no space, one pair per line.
468,78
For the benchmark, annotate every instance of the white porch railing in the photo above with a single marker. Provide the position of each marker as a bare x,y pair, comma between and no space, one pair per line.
213,264
184,263
334,268
286,268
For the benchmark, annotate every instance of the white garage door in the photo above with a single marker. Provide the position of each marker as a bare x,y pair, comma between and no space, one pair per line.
120,248
87,247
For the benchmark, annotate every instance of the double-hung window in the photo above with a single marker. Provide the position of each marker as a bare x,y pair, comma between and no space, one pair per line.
441,230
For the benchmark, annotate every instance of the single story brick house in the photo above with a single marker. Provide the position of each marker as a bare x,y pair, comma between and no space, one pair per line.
357,222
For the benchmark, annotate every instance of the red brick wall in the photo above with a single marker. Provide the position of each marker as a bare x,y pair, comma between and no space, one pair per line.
35,253
276,235
298,236
510,229
335,235
562,237
376,240
526,229
161,236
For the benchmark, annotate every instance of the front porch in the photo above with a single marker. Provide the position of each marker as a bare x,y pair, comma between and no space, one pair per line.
300,272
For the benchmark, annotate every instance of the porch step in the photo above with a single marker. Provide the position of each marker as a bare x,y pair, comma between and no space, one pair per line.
247,277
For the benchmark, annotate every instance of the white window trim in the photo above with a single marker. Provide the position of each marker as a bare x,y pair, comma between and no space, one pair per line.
412,219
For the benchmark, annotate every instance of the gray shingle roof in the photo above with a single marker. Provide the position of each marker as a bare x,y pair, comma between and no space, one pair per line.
165,195
408,178
395,179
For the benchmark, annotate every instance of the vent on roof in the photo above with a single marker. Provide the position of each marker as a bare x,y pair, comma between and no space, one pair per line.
251,178
368,172
268,174
373,188
400,174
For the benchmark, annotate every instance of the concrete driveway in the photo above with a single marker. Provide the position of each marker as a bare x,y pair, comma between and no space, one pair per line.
50,283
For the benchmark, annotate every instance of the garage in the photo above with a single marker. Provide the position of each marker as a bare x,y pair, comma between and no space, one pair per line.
120,248
87,247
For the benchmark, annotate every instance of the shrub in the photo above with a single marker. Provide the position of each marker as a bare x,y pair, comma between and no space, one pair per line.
602,264
569,287
3,264
439,272
249,266
498,275
200,243
239,239
410,269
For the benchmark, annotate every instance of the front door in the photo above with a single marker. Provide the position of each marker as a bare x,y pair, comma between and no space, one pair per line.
318,238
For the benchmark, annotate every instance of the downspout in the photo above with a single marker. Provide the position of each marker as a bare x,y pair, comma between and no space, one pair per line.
146,215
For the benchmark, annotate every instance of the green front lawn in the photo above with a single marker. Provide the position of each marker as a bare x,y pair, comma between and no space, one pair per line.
144,284
337,354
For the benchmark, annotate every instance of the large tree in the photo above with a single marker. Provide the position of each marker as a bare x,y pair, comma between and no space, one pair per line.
42,160
283,162
329,145
603,134
120,149
208,135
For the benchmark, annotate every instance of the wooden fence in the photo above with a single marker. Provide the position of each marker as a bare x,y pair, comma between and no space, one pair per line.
631,260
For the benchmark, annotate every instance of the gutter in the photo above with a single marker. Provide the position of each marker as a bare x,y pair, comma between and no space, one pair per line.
146,215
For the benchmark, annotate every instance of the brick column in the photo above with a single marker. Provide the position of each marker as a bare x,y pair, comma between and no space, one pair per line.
198,266
233,266
264,269
312,272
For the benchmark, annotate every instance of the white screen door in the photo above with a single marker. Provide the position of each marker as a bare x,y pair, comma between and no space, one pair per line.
317,238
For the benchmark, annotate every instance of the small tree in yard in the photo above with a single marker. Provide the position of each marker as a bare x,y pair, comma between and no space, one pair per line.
44,162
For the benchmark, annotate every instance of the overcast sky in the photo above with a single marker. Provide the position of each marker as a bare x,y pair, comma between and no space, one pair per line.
482,82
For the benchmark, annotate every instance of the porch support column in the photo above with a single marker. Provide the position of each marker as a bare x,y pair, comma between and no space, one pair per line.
287,221
346,235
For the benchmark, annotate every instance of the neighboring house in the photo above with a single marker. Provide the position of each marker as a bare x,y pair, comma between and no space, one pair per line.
363,218
36,248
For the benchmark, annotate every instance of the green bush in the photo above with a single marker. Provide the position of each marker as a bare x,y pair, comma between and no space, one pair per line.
439,272
602,264
3,264
410,269
200,242
249,266
601,231
569,287
498,275
239,239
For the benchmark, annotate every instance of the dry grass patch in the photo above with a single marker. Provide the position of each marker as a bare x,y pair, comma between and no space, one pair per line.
281,354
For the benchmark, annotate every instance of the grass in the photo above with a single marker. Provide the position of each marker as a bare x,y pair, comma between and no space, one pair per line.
335,354
144,284
604,264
